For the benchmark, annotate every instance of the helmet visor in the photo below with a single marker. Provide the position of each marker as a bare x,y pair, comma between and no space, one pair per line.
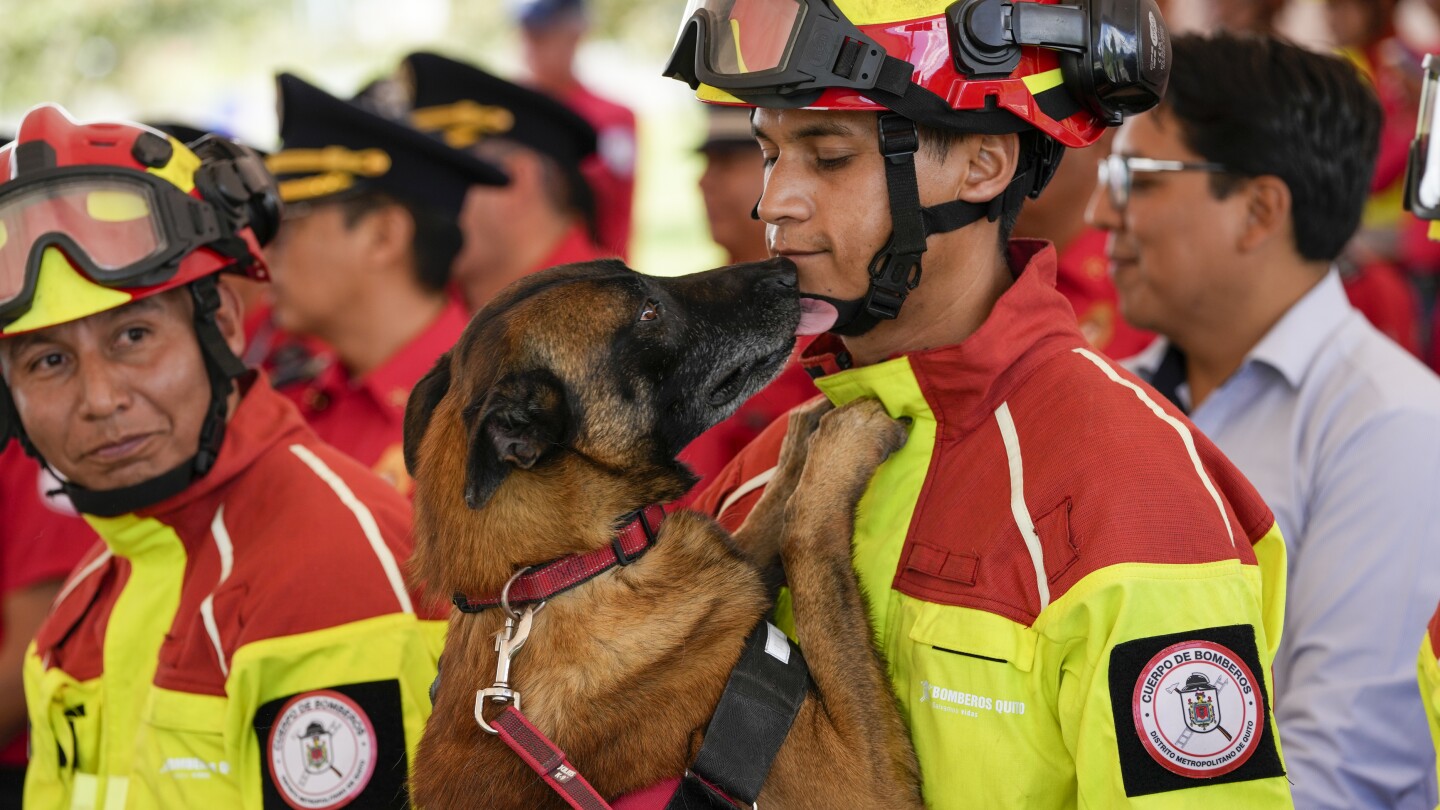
747,36
107,225
772,46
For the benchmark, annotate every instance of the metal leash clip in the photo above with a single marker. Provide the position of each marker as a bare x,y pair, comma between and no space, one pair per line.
508,641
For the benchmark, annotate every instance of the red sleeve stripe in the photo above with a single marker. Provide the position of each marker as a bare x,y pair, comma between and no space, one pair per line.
364,518
1185,435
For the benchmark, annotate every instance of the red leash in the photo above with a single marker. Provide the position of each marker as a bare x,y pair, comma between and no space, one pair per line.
547,760
531,588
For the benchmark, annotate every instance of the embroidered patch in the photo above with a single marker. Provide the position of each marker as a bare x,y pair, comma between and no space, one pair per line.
1191,710
1183,699
321,751
321,748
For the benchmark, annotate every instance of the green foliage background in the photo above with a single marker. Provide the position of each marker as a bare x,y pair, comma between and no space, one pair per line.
210,63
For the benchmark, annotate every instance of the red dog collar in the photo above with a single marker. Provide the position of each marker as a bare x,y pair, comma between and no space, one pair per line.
635,537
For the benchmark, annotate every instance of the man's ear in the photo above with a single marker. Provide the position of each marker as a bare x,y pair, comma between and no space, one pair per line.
424,398
522,419
230,317
1268,211
990,163
390,234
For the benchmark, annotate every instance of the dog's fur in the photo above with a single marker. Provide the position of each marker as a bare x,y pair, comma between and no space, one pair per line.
563,407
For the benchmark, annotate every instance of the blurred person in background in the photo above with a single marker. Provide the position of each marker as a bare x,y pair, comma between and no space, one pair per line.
542,217
41,539
1227,207
1082,273
363,264
551,31
731,185
1246,16
244,636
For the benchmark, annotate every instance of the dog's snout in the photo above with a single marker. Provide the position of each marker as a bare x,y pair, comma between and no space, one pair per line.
779,277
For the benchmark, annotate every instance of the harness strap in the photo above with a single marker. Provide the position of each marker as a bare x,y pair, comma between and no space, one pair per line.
752,720
547,760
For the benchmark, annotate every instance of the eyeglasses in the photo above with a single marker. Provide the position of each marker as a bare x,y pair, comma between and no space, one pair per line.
1117,173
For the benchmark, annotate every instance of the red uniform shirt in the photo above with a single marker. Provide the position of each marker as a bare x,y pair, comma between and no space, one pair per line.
574,246
611,170
365,418
1083,277
41,538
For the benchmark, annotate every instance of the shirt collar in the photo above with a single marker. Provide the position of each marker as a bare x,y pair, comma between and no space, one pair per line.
1293,343
966,381
574,246
390,383
262,420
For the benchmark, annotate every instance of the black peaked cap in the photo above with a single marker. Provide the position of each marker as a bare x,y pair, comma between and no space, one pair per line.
330,146
465,105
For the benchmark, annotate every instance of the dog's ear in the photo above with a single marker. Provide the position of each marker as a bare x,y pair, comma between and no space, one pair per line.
424,399
523,418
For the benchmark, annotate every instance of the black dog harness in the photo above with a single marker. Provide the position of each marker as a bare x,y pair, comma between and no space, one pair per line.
750,723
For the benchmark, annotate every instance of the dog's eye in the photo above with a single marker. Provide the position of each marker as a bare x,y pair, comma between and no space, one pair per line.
650,311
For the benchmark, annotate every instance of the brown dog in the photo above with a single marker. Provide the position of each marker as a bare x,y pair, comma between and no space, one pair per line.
562,408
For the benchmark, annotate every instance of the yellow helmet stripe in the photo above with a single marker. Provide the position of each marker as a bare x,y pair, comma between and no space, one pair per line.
1040,82
181,169
874,12
63,295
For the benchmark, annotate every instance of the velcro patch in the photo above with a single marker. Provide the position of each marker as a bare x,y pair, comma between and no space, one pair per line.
1191,709
331,748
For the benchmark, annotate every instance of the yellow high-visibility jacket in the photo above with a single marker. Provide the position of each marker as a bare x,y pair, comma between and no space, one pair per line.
1078,597
247,643
1430,681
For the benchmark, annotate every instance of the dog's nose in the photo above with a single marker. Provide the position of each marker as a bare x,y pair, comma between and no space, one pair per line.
780,278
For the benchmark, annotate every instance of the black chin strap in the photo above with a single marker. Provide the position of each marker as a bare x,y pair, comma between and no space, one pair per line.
222,367
895,270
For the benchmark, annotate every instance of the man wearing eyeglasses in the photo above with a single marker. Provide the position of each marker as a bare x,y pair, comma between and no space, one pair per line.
1226,208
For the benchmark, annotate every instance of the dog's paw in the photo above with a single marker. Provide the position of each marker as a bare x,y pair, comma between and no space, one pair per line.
861,431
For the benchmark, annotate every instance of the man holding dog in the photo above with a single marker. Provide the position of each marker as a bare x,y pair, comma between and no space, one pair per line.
243,637
1079,598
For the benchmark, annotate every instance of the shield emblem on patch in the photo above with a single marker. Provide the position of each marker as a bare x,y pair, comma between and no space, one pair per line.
1201,703
315,742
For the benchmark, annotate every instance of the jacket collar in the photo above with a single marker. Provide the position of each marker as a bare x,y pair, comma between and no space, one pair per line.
964,383
262,420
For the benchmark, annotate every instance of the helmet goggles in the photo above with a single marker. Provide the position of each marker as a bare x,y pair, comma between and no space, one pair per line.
773,48
1068,69
119,227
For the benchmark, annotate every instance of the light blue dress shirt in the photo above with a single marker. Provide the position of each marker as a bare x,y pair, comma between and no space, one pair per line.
1339,430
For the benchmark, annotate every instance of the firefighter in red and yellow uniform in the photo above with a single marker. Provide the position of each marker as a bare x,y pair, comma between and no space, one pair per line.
1430,680
363,265
243,636
1078,597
